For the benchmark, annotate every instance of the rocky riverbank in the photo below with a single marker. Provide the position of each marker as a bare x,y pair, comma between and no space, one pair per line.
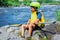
13,32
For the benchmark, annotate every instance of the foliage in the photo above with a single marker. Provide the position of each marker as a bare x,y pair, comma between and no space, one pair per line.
58,15
9,3
25,2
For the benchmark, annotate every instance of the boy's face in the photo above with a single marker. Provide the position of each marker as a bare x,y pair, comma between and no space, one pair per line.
32,9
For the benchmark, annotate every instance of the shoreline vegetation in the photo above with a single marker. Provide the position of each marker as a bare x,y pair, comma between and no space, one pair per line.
17,3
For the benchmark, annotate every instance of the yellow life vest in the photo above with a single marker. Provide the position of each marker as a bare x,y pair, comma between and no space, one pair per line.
42,20
34,16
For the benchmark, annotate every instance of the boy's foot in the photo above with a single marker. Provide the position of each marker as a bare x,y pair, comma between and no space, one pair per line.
28,38
23,36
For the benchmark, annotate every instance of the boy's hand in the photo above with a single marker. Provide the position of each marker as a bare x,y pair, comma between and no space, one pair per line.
37,21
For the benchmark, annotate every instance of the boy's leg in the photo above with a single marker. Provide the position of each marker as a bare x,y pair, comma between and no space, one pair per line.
31,26
23,30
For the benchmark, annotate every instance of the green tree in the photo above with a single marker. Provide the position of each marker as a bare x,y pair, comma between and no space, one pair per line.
13,2
9,3
3,2
41,1
26,2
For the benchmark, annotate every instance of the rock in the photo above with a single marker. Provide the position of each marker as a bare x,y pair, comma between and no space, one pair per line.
13,33
0,32
56,37
9,33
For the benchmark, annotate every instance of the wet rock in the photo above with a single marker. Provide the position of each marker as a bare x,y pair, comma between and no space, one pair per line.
8,38
0,32
14,33
56,37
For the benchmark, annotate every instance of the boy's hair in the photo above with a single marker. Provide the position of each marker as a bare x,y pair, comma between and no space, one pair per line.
35,8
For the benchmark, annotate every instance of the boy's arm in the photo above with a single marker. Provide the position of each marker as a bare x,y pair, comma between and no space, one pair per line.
37,21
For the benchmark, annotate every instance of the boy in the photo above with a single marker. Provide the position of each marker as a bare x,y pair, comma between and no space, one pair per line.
34,19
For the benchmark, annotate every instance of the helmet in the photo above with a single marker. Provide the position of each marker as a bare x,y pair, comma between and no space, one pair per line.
35,4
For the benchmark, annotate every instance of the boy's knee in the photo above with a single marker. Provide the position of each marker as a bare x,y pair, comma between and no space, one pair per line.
23,26
30,26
